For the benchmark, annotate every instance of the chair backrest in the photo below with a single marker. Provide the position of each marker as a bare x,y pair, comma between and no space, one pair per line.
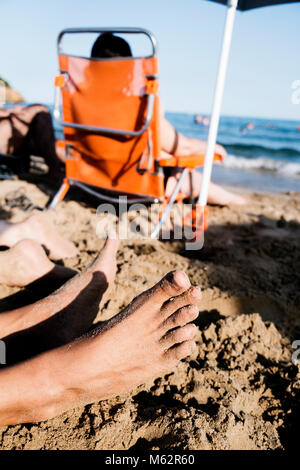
108,123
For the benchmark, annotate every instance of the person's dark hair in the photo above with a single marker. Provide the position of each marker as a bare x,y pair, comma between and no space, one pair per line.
107,45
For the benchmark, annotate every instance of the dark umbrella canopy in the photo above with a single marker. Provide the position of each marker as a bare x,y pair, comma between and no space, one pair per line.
250,4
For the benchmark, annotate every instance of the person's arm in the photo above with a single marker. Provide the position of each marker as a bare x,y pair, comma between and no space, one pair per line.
185,145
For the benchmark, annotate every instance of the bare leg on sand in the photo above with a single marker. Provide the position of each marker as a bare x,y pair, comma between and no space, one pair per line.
37,228
62,316
216,194
26,262
173,142
144,341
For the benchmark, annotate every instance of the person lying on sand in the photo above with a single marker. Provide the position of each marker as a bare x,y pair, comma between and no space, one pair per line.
108,45
28,130
57,359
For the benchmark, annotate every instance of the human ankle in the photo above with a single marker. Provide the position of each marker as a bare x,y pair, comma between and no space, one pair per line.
37,397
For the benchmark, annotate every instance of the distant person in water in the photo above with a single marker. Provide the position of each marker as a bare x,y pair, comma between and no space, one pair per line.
28,130
249,126
206,121
198,119
202,120
108,46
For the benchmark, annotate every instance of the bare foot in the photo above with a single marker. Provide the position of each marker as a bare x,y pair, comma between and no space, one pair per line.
37,228
69,311
144,341
97,278
26,262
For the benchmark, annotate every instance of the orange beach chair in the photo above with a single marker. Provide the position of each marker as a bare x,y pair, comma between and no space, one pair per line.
111,127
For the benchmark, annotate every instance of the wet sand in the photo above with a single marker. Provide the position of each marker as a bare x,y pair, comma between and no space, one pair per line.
241,389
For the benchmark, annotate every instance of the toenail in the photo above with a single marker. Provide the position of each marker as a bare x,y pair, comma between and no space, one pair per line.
193,310
194,328
180,279
188,332
195,292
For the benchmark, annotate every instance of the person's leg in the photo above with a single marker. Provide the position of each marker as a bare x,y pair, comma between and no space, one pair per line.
17,125
143,342
37,228
6,133
41,139
216,194
185,146
66,306
26,262
26,114
33,134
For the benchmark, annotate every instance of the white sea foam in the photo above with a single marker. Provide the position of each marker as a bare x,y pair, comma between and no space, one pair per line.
287,169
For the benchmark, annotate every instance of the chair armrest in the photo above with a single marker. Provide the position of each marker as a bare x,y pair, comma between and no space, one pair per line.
189,161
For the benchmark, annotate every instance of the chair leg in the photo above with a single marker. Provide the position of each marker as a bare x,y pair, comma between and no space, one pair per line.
168,208
59,196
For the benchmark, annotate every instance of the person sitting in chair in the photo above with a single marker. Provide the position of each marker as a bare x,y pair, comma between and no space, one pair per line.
107,45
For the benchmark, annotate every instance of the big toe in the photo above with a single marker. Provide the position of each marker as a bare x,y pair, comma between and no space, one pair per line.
171,285
111,244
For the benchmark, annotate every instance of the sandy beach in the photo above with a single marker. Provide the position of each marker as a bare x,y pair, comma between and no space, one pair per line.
241,389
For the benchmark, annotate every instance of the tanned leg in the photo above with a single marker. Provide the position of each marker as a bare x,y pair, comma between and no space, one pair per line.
62,316
29,130
188,146
143,342
216,194
42,139
5,136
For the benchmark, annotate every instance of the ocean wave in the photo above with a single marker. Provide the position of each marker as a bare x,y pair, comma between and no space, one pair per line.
250,150
283,168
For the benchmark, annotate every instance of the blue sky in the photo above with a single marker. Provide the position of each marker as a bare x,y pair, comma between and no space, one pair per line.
264,60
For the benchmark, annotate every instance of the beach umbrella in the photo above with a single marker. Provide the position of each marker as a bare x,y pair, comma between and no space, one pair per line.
232,6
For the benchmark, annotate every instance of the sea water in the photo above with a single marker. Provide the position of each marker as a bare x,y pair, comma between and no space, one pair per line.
263,154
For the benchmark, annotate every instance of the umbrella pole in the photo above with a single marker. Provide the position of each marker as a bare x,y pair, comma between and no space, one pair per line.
215,116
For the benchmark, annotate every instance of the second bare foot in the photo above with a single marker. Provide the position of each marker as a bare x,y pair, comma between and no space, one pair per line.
37,228
26,262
